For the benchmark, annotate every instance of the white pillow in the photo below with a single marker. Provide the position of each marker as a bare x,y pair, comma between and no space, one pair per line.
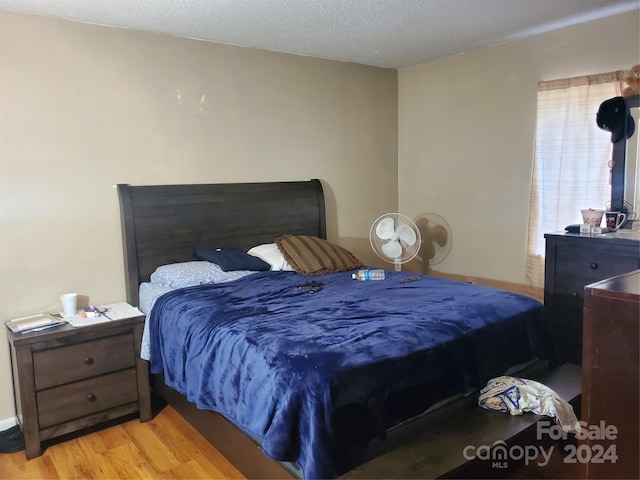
269,253
188,274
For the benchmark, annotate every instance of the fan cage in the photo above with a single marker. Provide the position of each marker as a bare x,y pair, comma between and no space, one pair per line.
408,251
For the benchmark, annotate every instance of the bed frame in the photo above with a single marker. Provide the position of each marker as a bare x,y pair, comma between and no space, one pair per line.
165,224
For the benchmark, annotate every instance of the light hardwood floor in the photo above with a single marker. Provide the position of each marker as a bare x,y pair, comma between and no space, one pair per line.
165,447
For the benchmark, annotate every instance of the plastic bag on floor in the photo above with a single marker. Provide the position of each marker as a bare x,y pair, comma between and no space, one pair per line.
518,395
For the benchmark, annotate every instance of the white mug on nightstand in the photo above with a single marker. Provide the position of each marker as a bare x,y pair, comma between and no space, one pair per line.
69,304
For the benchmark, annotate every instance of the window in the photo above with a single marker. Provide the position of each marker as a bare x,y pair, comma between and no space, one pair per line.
571,161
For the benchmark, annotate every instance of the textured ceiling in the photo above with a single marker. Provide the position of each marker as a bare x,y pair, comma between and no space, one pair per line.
387,33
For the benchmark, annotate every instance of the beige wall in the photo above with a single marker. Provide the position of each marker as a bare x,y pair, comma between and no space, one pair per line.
86,107
466,126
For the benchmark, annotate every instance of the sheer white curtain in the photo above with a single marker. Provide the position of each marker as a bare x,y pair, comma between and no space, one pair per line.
571,162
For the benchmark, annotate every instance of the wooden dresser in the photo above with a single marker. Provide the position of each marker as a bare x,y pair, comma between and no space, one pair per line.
66,379
610,377
573,261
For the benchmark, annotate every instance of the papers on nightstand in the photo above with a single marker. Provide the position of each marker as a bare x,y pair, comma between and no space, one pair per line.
105,313
34,323
78,320
119,311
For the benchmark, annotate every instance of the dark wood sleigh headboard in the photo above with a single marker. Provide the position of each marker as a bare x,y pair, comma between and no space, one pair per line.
163,224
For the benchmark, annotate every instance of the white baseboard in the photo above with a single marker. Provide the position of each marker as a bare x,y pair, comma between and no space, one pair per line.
7,423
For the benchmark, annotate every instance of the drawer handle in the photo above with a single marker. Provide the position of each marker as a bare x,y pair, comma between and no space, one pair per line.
88,360
91,397
593,266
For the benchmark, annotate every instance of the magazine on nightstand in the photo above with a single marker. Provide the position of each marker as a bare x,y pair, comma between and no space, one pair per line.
34,323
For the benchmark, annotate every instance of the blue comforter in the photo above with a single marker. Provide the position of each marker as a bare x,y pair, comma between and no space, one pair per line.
315,376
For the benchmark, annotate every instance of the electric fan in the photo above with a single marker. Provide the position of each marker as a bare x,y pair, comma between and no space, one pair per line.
395,238
436,238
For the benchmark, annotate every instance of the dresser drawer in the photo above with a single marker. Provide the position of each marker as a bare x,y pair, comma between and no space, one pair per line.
75,400
569,352
567,324
576,267
83,360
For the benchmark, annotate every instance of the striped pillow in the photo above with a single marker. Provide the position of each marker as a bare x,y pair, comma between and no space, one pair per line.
315,256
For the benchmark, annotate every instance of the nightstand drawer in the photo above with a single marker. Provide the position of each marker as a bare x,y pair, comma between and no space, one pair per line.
75,400
83,360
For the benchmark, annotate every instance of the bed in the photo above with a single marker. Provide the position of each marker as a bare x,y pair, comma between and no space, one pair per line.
296,376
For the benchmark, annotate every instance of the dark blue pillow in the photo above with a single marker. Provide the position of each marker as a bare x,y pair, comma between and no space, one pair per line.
230,260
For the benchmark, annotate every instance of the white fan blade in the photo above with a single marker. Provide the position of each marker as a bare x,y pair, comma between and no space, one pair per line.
406,234
392,249
384,229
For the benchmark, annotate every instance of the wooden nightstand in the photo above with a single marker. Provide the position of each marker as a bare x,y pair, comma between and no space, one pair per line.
66,379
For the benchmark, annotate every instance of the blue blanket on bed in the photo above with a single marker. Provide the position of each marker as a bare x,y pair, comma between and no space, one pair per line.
315,376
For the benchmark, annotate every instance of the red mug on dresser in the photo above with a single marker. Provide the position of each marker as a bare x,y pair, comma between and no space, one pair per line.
615,219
